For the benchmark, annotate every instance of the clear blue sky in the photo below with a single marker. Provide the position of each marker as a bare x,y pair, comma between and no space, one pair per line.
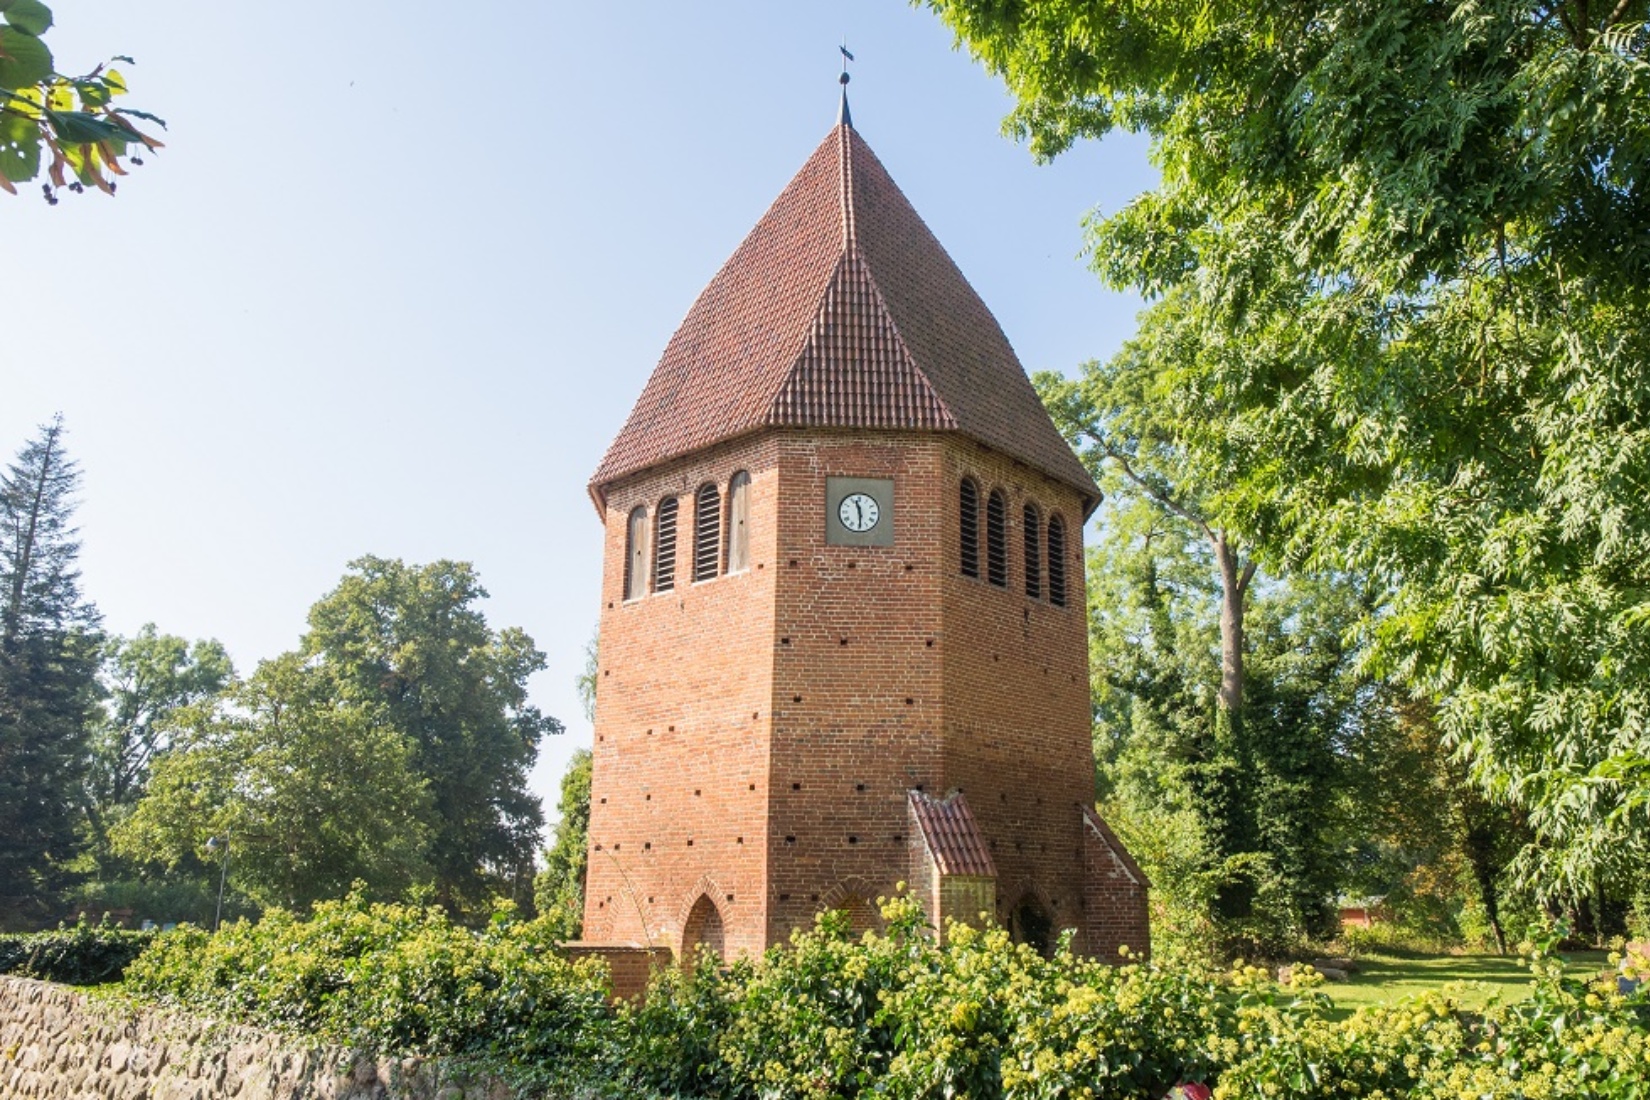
402,269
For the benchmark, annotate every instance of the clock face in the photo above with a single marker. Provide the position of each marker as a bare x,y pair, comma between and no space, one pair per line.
858,512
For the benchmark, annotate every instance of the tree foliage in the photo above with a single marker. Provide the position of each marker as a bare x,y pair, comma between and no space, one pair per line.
310,794
1398,262
146,679
48,670
391,748
73,120
408,645
558,891
1262,812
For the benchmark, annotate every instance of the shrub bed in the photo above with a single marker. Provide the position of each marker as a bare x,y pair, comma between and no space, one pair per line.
891,1015
82,955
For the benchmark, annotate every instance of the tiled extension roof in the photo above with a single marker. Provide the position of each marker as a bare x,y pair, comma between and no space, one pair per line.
840,309
949,830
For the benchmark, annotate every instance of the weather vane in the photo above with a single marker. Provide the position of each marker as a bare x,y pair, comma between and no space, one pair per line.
843,117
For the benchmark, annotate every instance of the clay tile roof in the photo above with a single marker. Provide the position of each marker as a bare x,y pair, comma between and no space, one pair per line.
949,830
839,309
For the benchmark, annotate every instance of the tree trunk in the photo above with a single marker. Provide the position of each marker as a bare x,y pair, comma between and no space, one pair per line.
1235,808
1483,843
1234,583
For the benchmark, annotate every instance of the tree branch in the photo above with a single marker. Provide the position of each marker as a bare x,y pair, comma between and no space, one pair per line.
1157,496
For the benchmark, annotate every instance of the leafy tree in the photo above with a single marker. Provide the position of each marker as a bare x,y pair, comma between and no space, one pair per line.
1264,815
72,118
1131,441
1399,261
48,671
310,793
146,679
408,645
558,890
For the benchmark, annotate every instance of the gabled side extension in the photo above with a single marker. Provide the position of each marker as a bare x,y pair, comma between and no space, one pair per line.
951,865
1115,889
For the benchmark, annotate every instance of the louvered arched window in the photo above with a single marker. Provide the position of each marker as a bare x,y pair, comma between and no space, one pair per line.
739,512
1034,551
664,545
996,539
969,511
707,531
635,554
1056,561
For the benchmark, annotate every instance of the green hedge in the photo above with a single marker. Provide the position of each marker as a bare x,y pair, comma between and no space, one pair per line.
890,1015
83,955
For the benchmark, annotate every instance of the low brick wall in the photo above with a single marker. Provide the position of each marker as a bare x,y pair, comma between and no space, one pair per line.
58,1044
629,967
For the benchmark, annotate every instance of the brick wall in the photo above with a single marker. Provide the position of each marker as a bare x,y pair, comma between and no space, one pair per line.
1017,729
857,707
756,735
629,968
1116,914
683,705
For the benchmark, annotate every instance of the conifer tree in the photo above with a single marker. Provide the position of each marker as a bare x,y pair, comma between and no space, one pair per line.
48,674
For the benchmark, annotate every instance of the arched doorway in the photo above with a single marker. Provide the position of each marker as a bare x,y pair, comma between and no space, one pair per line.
1030,924
702,931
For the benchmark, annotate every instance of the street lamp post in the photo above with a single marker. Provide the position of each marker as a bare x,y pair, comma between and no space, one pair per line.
212,845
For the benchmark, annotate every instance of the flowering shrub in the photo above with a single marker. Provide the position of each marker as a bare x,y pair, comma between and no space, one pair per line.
390,978
87,954
889,1015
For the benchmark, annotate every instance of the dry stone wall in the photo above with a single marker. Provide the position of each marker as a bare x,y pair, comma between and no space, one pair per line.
59,1044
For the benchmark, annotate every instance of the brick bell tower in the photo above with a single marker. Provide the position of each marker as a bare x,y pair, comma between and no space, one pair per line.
843,640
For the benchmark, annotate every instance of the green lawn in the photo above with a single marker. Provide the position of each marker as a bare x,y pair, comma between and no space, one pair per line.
1384,978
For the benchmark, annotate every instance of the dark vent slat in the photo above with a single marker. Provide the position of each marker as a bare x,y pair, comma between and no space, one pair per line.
664,546
1056,562
707,533
996,539
970,510
1034,553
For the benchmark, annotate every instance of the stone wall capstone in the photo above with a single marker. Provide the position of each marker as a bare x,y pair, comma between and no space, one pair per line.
57,1043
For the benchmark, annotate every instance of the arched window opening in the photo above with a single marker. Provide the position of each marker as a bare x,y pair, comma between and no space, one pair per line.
1034,551
664,545
1056,561
703,931
970,512
635,554
739,511
996,539
1030,924
707,531
862,915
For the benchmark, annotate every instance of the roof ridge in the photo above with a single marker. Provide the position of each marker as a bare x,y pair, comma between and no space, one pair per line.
888,316
854,368
850,236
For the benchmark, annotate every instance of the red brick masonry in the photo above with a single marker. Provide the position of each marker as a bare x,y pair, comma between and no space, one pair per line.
762,737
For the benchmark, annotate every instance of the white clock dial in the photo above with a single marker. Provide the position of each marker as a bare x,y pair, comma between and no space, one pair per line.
858,512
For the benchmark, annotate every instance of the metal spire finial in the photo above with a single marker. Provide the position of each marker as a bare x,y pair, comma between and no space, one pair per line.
843,117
